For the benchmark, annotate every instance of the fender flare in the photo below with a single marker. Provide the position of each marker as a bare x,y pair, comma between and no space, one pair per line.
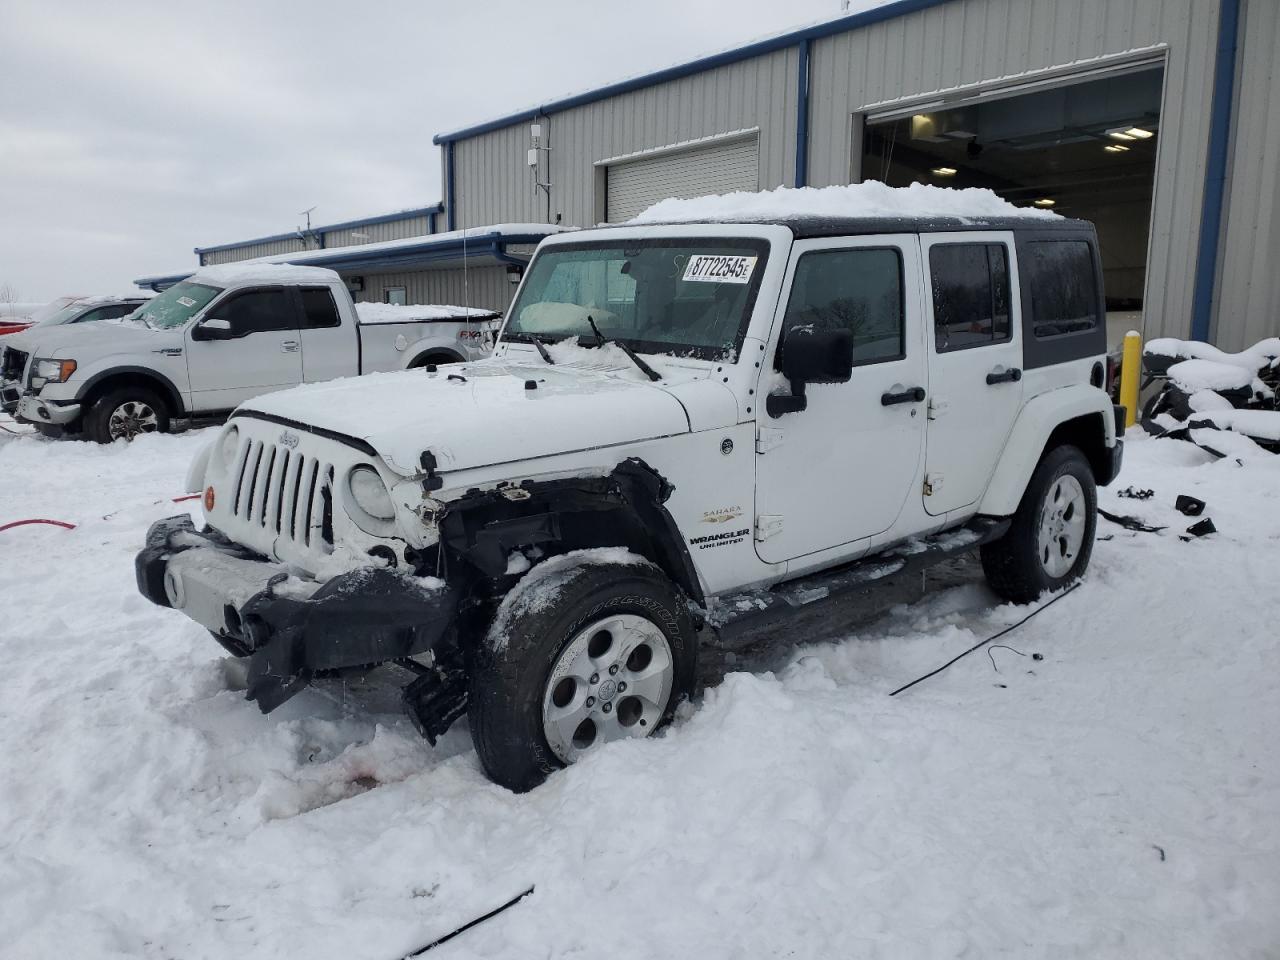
1031,431
171,392
414,351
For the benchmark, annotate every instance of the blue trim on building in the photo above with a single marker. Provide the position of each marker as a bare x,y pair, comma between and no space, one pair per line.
408,255
831,28
1215,174
451,215
802,116
344,225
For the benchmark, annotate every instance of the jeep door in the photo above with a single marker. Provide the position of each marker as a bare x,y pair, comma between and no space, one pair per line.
975,363
841,470
262,354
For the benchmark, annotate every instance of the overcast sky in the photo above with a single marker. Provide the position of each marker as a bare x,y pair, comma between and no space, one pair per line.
131,132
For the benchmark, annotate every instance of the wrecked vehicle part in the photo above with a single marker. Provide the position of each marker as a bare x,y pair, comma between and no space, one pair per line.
365,617
623,508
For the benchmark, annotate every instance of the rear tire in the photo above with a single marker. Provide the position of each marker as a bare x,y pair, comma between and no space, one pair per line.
607,650
125,413
1050,541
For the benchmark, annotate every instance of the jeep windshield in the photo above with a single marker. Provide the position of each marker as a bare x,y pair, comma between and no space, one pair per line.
685,297
176,305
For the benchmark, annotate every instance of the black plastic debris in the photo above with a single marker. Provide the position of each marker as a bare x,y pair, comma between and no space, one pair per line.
1129,523
1201,528
1188,506
1129,493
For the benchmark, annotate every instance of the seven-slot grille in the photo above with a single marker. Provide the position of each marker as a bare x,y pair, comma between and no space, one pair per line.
284,493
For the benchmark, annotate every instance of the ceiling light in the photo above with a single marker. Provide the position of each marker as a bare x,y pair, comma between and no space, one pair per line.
945,171
1116,148
1138,133
1119,134
1044,202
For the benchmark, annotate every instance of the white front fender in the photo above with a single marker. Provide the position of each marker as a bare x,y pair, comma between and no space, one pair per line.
196,472
1038,419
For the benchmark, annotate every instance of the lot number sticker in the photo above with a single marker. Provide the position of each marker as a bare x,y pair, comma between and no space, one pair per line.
702,268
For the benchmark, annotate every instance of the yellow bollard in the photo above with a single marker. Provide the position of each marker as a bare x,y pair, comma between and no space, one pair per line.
1130,376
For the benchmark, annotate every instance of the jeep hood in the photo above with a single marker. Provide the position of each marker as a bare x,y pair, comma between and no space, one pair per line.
481,414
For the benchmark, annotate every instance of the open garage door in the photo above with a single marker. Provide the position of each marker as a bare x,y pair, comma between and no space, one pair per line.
634,185
1084,148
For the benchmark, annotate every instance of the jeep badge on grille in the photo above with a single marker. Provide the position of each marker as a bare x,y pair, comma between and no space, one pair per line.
290,440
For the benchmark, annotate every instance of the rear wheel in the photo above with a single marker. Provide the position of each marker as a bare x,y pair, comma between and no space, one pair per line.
594,653
125,413
1050,540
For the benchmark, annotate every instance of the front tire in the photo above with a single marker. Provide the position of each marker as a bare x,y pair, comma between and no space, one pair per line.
1049,543
582,655
125,413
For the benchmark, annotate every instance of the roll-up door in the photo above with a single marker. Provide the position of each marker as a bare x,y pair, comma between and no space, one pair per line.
635,185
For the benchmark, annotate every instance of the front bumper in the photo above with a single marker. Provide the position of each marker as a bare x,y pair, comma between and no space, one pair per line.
290,629
10,394
31,409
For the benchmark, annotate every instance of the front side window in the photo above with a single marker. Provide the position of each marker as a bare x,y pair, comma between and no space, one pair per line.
1064,288
856,290
57,317
683,297
257,311
318,308
177,305
970,294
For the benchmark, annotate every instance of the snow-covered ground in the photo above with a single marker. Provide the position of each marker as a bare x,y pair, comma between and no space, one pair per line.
1118,798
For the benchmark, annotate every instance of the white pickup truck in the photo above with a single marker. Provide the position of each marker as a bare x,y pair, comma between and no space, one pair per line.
685,430
207,344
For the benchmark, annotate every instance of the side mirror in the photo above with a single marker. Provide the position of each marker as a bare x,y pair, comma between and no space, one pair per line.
213,329
811,356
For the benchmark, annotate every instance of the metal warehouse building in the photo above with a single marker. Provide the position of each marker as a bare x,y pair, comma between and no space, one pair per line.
1159,120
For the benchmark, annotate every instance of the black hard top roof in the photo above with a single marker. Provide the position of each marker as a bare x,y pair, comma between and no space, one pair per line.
806,227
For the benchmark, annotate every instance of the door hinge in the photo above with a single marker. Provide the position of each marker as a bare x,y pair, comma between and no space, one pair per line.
768,525
938,408
932,483
767,438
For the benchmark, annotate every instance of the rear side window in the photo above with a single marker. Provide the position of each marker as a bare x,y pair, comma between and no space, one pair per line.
257,311
1063,286
856,290
318,308
970,294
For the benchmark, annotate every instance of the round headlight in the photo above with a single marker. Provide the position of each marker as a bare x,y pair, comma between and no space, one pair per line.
370,493
227,446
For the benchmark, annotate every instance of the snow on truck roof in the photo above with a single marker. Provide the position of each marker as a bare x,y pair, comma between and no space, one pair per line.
868,201
229,273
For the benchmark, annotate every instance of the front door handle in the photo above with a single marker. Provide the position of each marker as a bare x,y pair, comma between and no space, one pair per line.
289,346
1012,375
910,395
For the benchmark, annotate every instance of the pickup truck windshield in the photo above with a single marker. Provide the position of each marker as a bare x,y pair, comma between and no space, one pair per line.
687,297
176,305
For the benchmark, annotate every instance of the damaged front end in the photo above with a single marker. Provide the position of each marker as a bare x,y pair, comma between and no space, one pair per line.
294,630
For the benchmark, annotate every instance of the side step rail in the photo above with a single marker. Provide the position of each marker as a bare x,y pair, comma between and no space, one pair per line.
748,614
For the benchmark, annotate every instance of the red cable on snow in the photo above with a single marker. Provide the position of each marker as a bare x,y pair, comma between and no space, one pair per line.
22,523
190,496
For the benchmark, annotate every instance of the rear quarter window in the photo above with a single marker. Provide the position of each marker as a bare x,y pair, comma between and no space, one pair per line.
1063,287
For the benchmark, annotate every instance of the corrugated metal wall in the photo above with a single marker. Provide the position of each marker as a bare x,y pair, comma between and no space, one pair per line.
1248,301
494,183
486,287
969,41
375,232
251,250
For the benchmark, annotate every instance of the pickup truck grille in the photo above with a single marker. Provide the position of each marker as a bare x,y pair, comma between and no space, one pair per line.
285,494
13,363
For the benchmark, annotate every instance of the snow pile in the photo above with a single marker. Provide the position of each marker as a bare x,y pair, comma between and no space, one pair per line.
1207,390
868,199
370,313
1116,800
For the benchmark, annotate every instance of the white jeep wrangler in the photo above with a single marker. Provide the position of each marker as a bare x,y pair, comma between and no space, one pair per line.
684,428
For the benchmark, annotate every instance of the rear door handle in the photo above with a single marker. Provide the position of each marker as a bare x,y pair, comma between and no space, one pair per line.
289,346
911,395
1012,375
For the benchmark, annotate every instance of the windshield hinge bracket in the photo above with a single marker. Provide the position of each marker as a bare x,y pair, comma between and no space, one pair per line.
767,438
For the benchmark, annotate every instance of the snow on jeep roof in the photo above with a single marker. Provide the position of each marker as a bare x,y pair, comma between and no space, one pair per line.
869,200
228,273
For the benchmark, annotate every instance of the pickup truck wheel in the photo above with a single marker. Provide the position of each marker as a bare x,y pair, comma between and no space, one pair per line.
124,413
1050,540
593,653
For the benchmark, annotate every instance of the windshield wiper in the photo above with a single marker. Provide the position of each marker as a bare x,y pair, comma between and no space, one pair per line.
542,350
601,340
